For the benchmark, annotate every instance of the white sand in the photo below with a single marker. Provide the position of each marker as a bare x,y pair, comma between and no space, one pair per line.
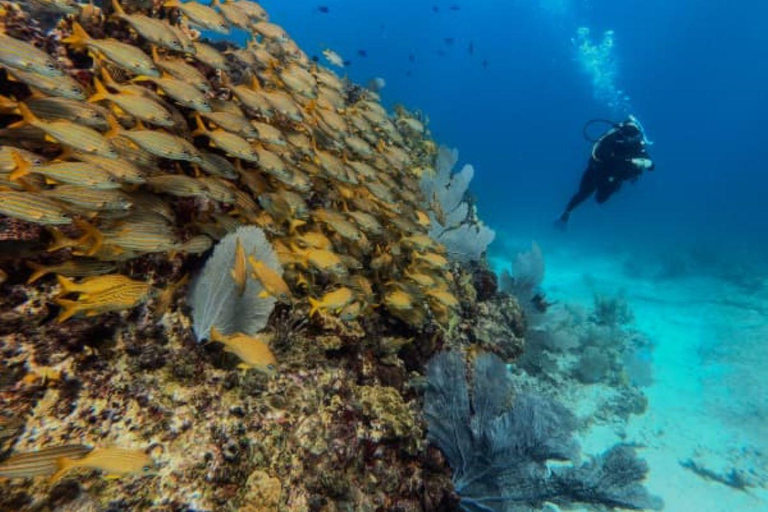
709,399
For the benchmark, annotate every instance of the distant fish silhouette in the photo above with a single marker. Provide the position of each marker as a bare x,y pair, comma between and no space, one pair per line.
455,7
411,58
435,8
485,63
362,53
440,53
449,40
471,48
323,9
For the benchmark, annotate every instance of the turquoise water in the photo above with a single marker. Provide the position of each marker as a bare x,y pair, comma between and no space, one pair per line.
511,87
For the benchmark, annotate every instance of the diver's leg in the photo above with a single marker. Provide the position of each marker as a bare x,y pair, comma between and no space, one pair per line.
587,187
606,189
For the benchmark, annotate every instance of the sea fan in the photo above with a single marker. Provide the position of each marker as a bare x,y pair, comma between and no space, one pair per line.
215,299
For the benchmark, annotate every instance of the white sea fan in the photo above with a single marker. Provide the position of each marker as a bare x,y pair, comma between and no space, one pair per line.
462,233
214,297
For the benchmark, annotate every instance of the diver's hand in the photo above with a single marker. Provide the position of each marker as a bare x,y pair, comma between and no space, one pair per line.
642,163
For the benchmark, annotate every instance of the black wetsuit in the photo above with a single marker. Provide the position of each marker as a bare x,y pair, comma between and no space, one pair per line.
617,157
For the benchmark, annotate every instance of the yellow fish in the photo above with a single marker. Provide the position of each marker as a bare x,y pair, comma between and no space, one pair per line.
79,267
233,14
238,272
332,301
90,198
180,70
123,55
78,112
253,351
236,123
201,15
118,298
272,282
74,173
186,94
152,29
139,107
25,57
120,168
93,285
70,134
333,58
32,208
162,144
112,461
42,462
209,56
234,145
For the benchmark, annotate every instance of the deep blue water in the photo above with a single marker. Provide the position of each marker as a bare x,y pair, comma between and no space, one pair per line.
696,72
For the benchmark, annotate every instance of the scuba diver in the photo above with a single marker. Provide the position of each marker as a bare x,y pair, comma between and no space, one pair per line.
619,155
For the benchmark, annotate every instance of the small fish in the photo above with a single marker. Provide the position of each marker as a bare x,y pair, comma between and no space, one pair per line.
60,86
253,351
42,462
217,165
201,15
152,29
93,285
73,173
271,280
234,145
25,57
33,208
57,6
233,13
127,296
362,53
332,301
323,9
270,31
198,244
209,56
238,271
80,267
3,278
180,70
234,123
90,198
120,168
112,461
182,92
443,297
333,58
139,107
123,55
47,108
163,144
80,138
449,40
252,9
177,185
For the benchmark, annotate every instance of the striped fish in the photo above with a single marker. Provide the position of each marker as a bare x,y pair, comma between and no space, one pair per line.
217,165
25,57
80,267
184,93
73,173
201,15
140,107
60,86
163,144
48,108
41,462
123,55
90,198
32,208
230,143
180,70
210,56
70,134
178,185
120,168
152,29
233,123
119,298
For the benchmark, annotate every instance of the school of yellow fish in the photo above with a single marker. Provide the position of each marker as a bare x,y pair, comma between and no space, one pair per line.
165,143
